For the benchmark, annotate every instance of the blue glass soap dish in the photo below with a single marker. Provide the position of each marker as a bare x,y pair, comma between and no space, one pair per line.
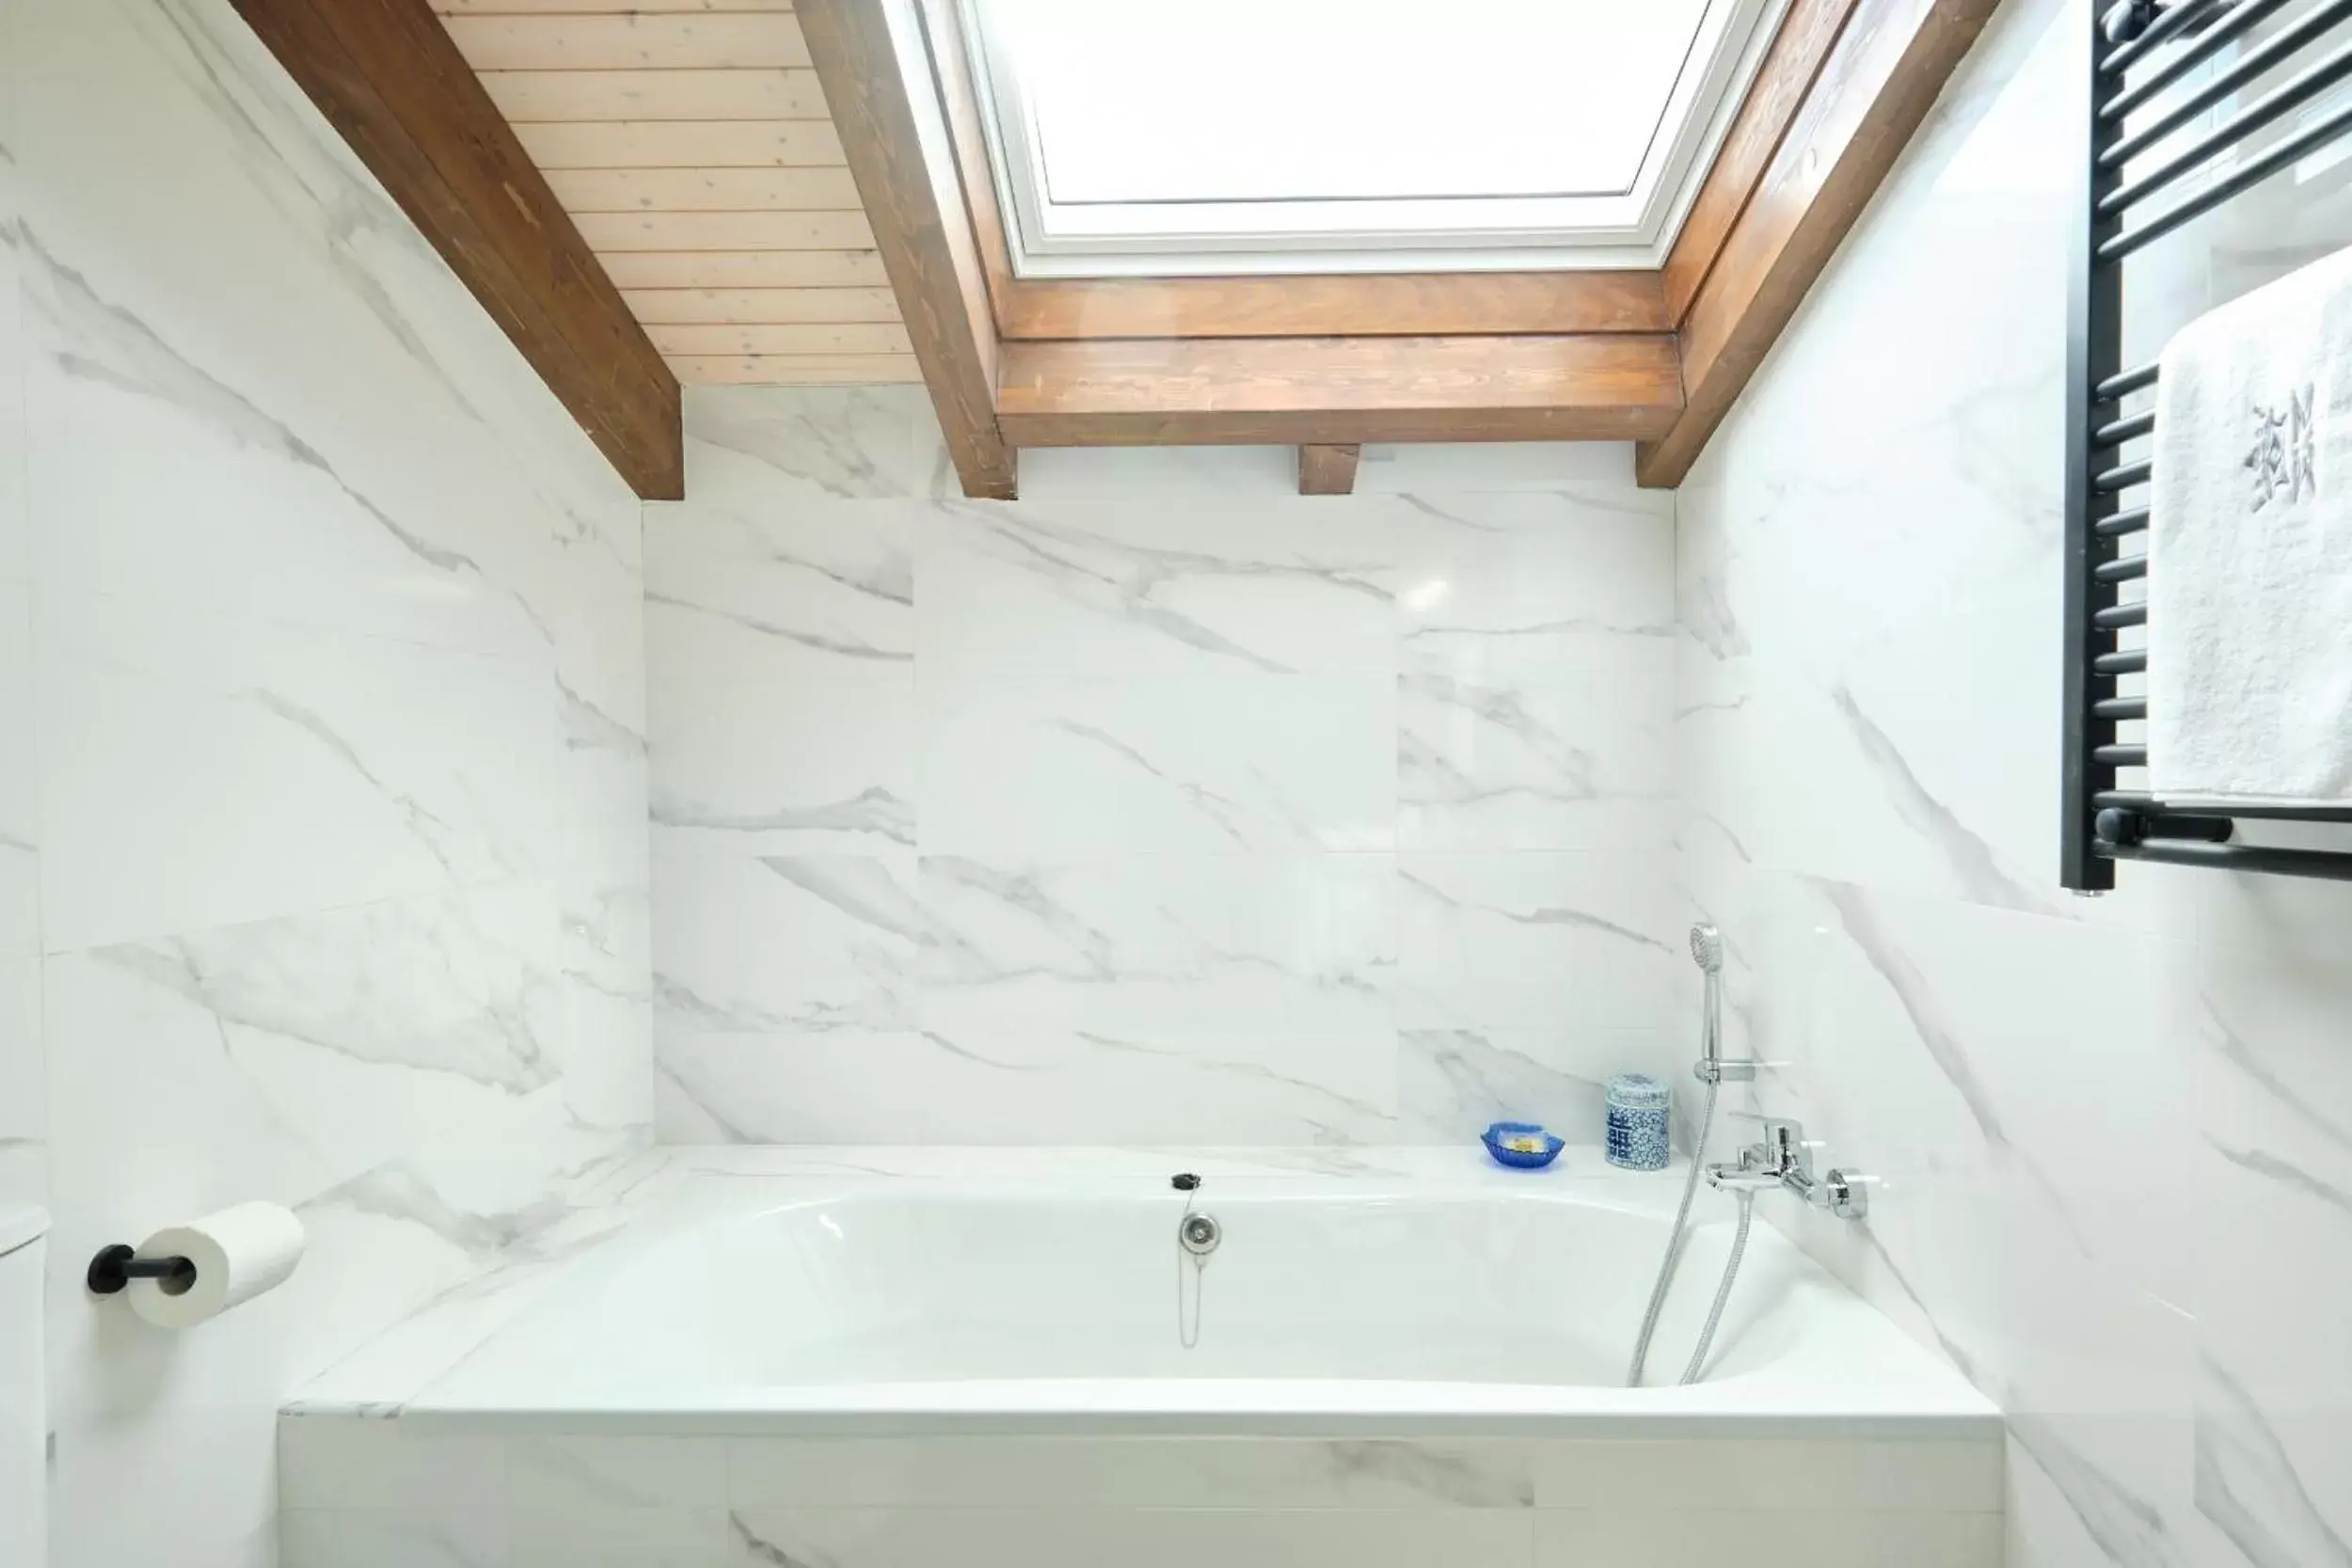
1521,1145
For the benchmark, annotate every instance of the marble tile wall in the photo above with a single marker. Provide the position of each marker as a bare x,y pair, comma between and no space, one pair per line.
24,1154
1163,807
2116,1134
322,766
368,1494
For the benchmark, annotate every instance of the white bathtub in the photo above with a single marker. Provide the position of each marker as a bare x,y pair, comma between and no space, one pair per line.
989,1366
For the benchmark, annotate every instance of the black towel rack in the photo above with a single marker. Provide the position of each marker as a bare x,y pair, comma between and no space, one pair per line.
2141,51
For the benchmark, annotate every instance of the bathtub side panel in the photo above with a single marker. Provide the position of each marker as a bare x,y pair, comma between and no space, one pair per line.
364,1493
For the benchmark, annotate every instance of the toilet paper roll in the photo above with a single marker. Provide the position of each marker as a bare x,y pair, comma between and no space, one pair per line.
238,1254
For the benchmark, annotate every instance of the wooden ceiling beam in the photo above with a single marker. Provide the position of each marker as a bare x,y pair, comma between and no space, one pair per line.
1396,305
967,135
1129,391
387,76
1808,34
879,73
1328,470
1882,76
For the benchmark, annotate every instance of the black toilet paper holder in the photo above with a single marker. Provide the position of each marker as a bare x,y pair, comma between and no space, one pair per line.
114,1268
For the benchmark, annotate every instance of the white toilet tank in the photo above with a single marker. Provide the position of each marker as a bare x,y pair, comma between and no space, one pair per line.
24,1410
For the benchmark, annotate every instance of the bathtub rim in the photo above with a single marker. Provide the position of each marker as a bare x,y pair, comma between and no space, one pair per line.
414,1372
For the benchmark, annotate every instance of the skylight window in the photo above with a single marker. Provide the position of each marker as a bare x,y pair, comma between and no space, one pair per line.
1315,134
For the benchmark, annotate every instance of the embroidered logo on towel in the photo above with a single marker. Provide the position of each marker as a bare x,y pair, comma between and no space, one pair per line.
2283,462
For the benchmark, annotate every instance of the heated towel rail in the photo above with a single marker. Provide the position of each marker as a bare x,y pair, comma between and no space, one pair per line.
2156,69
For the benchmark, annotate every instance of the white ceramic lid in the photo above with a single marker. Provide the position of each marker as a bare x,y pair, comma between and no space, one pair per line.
20,1225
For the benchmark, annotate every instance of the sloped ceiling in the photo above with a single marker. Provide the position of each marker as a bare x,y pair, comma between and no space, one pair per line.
691,144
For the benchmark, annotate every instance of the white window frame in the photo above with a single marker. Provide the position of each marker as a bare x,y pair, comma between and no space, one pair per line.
1632,229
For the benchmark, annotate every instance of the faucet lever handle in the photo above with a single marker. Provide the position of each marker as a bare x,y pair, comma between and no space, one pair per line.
1785,1144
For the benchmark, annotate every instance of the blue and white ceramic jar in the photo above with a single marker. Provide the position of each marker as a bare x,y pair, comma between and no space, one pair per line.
1639,1106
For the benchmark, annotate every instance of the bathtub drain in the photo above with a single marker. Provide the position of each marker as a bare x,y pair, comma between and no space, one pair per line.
1196,1236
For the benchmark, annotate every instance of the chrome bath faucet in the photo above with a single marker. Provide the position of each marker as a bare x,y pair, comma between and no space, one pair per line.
1783,1158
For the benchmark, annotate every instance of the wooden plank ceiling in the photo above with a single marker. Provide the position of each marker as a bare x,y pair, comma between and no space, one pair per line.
691,144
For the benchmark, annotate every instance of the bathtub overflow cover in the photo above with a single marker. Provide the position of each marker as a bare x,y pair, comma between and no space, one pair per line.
1198,1234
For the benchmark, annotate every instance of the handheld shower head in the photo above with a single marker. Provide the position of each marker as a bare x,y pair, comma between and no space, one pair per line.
1706,951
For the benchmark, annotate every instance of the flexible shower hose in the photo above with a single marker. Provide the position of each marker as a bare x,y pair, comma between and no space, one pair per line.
1722,1292
1674,1246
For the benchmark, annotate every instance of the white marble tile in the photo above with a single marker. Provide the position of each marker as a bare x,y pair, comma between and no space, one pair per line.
1453,1083
325,1462
1050,475
1157,765
1796,1475
2022,1217
788,763
338,677
1146,1538
1183,944
380,1374
555,1475
1145,735
747,942
2101,1127
1526,941
753,586
1494,465
193,1417
2010,1092
1128,1473
2107,1484
1155,585
1567,765
259,506
298,498
1912,782
199,771
599,1015
1532,589
1046,1086
1847,499
807,444
392,1538
1693,1537
595,806
578,1535
2005,1075
2269,1470
401,1054
732,760
2270,1200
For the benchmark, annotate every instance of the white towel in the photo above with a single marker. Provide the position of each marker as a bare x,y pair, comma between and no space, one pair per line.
2250,550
